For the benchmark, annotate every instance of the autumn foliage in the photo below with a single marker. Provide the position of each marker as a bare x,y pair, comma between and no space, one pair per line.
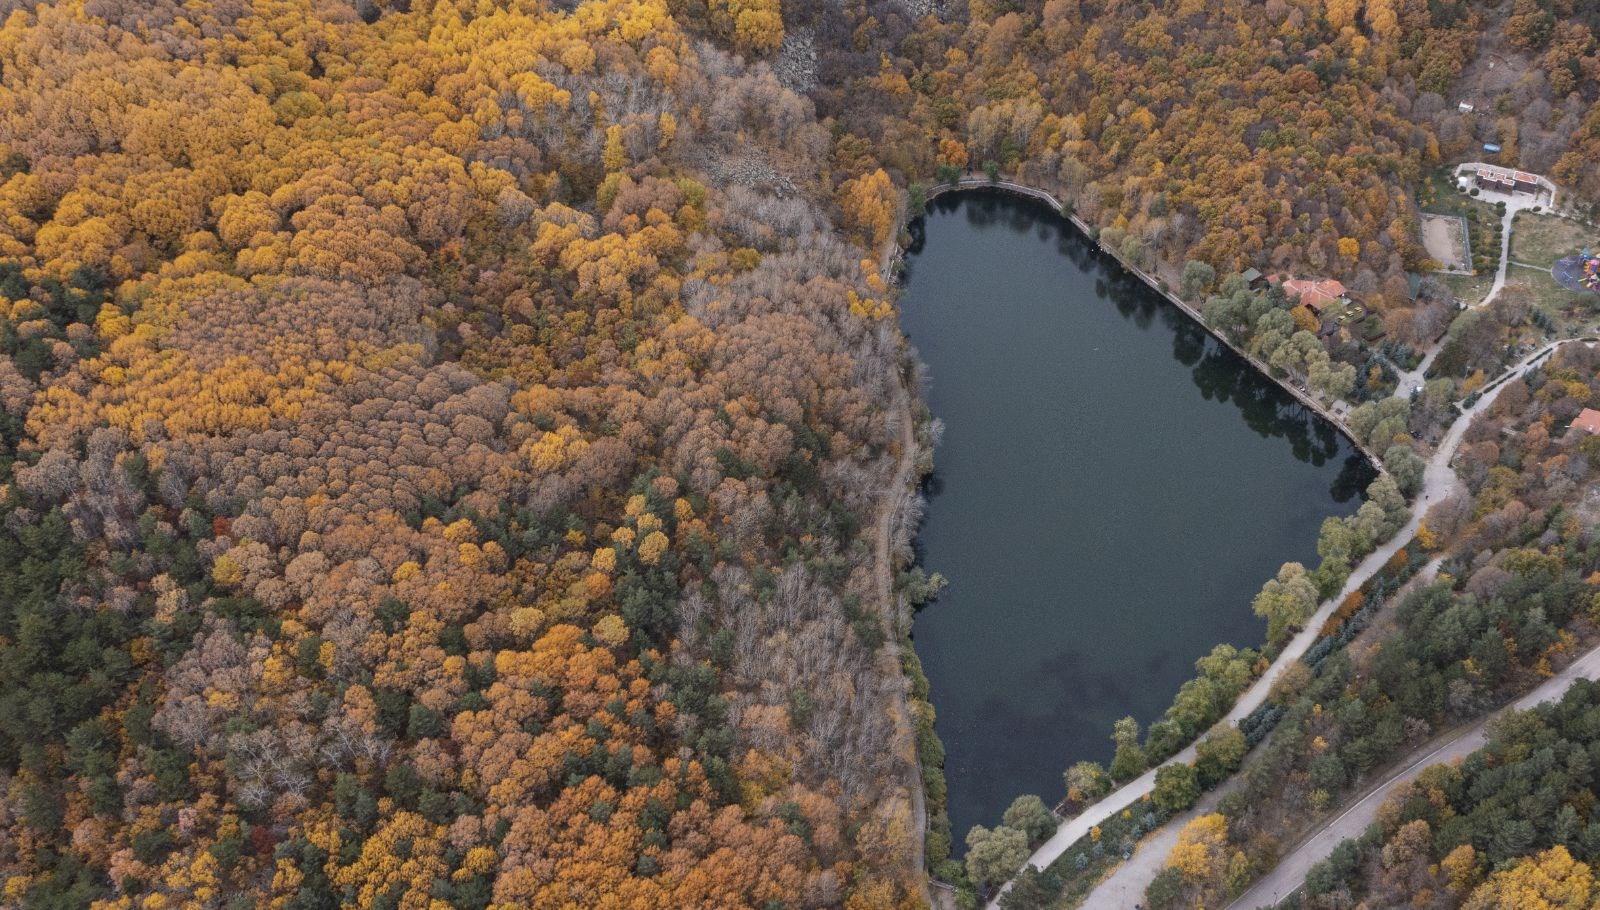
425,484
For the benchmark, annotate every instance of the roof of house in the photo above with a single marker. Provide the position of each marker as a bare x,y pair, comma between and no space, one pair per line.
1413,284
1587,420
1250,274
1315,293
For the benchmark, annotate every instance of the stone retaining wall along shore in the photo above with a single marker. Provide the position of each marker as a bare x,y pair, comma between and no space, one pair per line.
942,894
893,254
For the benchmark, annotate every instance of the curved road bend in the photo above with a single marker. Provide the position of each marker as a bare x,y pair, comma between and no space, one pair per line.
1412,380
1439,480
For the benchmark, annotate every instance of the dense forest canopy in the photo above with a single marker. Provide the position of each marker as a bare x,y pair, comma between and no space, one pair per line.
444,445
1286,135
422,482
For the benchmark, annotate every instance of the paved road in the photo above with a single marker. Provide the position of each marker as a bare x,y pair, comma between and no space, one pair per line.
1124,889
1409,381
1290,874
1439,480
1436,484
1412,380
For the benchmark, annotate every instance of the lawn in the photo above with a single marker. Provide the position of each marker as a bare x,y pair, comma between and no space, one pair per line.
1540,240
1439,194
1470,289
1569,312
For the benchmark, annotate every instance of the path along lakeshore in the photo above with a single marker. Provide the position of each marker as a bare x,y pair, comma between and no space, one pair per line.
1439,481
1124,888
1253,697
894,253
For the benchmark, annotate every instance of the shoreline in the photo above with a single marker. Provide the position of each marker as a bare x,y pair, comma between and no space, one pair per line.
895,253
1254,695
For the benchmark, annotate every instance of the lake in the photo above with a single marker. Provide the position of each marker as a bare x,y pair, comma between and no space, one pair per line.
1112,488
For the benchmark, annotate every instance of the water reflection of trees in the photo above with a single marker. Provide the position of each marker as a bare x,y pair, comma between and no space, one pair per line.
1220,373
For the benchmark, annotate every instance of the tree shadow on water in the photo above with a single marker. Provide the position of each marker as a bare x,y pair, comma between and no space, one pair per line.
1189,342
1353,479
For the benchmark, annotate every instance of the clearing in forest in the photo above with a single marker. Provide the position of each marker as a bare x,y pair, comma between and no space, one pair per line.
1541,239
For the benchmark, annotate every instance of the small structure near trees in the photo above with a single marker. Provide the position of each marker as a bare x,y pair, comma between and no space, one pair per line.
1587,421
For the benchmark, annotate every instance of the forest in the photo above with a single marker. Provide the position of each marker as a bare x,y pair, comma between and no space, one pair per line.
423,483
443,443
1505,828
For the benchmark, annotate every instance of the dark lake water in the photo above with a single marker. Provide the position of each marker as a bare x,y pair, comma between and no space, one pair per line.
1112,489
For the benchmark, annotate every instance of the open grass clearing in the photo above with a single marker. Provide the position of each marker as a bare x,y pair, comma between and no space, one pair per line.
1569,312
1469,289
1540,239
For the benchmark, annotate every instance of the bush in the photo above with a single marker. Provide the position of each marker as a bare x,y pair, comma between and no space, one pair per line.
1219,755
1164,890
994,856
1032,890
916,200
1086,781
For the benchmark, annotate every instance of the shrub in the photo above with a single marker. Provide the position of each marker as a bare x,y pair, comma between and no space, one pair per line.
1177,787
1165,889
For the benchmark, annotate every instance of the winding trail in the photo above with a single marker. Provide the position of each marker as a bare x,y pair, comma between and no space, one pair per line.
1505,253
1410,381
1290,873
1514,203
1124,888
1079,826
889,508
1436,485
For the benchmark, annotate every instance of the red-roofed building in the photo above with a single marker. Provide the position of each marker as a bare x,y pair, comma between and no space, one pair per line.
1588,420
1316,294
1508,182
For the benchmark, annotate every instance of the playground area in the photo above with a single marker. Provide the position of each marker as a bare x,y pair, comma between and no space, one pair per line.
1445,239
1578,273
